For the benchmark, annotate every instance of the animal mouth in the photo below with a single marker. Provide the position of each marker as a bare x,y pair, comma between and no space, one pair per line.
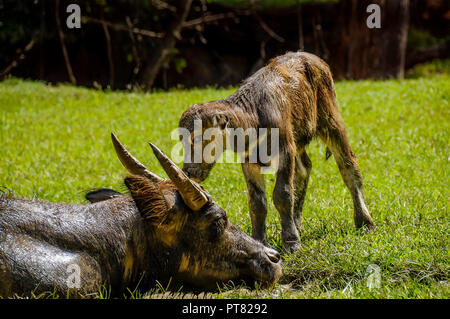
264,274
264,268
196,174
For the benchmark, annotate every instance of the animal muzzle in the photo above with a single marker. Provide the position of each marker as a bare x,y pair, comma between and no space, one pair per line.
272,254
196,173
265,267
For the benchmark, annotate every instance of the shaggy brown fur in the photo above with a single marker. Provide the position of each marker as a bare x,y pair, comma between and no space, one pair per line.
149,198
294,93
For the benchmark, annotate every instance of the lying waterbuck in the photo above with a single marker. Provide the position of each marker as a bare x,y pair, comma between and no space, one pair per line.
294,94
168,230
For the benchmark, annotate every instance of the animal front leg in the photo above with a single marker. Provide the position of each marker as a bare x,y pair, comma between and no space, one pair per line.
283,198
302,170
257,201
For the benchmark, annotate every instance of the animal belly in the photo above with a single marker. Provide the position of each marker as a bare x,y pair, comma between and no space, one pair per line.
28,266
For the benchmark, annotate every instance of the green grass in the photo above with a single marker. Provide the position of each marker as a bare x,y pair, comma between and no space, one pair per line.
55,143
429,69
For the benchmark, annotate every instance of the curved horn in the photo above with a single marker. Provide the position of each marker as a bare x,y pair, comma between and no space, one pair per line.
192,195
131,163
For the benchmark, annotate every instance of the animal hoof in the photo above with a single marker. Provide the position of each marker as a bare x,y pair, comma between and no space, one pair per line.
369,227
291,246
366,227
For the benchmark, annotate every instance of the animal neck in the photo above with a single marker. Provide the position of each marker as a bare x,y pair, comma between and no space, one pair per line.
239,116
242,110
148,261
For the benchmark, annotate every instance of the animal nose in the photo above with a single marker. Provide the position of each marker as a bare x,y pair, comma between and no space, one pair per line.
273,255
191,173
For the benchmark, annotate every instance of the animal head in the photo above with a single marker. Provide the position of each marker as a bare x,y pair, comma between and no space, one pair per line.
182,217
206,139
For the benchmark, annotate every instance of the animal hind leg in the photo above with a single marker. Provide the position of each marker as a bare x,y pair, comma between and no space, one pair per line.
335,138
302,171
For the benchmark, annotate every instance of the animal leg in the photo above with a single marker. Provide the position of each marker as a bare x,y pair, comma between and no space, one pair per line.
302,170
257,201
283,198
336,140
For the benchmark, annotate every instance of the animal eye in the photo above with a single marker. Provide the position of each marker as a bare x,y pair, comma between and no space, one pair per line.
218,227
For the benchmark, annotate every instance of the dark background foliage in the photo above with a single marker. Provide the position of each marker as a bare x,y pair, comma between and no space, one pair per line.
216,42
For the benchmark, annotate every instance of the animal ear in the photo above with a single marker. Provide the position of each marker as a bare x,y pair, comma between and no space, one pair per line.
101,194
148,198
220,120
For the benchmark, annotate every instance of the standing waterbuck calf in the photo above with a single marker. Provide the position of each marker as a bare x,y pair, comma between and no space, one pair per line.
294,93
168,230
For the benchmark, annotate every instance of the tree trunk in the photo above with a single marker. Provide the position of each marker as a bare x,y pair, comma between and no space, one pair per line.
166,45
41,42
371,53
301,41
438,51
72,78
108,51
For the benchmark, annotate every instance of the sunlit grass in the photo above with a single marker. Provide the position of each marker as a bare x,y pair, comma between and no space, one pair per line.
55,143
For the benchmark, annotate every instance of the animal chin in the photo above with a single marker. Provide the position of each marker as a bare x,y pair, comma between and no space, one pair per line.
198,179
250,273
